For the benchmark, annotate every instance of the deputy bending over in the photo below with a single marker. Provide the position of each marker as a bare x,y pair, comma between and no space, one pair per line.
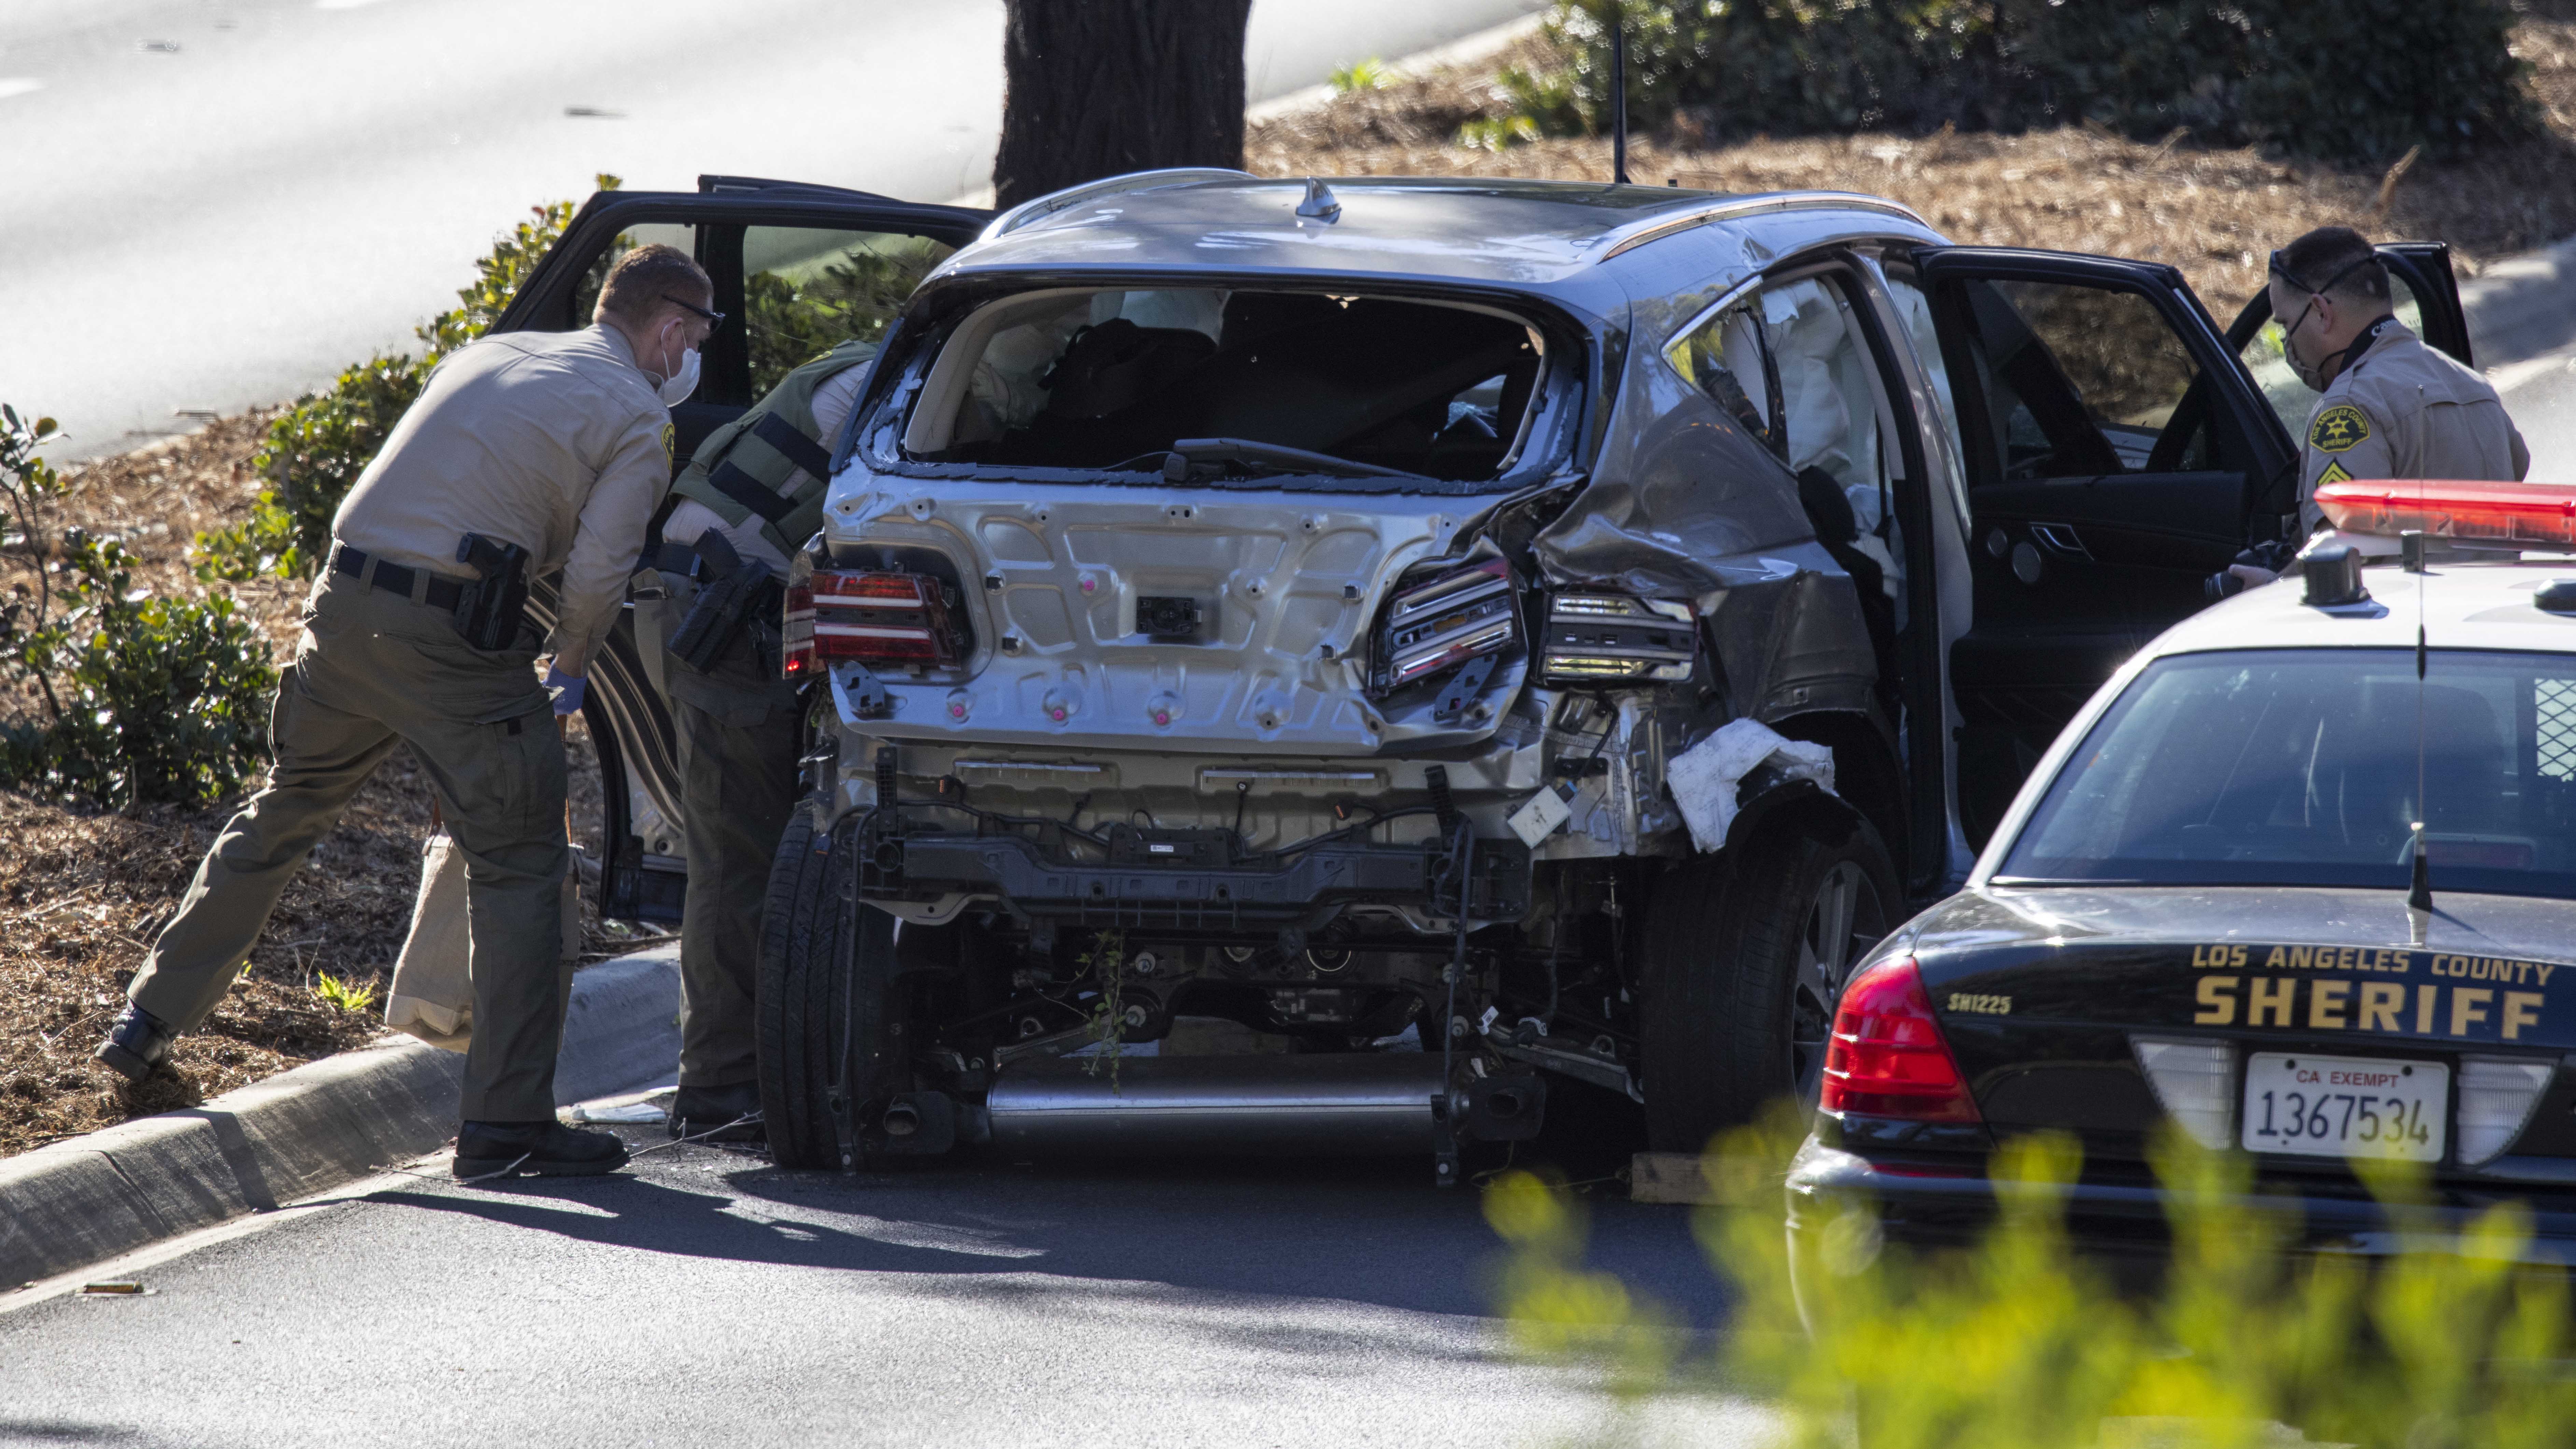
525,453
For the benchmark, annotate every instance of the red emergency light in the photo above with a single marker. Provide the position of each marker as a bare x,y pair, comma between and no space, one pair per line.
2542,514
872,618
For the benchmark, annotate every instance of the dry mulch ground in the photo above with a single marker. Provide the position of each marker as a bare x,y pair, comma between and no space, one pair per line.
83,893
2214,212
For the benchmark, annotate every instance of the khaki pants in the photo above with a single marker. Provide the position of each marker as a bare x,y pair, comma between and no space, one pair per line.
373,668
738,733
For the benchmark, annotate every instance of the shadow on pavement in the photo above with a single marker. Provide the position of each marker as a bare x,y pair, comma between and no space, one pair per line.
1372,1231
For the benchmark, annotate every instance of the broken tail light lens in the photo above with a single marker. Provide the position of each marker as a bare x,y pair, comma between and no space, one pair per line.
1617,638
872,618
2531,513
1447,621
1888,1057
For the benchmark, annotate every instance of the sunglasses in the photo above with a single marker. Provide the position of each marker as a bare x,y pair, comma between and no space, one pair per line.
716,319
2281,270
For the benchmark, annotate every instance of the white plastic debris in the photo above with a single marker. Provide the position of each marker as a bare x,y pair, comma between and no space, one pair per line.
1538,818
1705,776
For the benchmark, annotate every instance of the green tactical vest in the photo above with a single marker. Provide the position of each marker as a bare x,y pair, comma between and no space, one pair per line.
743,469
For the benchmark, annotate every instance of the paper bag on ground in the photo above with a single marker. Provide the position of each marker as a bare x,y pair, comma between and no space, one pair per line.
432,996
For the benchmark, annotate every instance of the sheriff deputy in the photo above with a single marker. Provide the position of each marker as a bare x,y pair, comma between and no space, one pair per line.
2389,406
525,453
750,498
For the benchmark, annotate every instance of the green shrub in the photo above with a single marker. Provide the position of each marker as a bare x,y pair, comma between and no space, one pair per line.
316,449
145,698
2357,80
791,320
2016,1343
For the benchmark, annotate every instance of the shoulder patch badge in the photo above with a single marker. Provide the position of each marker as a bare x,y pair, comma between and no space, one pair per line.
669,436
2334,473
2338,429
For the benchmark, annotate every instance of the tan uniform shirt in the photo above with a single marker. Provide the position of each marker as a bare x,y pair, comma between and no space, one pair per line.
554,441
2405,410
690,520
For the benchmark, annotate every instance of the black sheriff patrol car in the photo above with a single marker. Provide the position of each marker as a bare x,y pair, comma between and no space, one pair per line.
2207,907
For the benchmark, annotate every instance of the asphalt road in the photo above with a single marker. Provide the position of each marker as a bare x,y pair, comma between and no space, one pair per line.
208,204
710,1300
2541,395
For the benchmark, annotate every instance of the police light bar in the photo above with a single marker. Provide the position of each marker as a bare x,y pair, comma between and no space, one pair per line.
2510,513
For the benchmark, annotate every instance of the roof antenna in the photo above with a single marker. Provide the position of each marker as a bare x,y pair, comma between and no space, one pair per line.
2413,544
1619,98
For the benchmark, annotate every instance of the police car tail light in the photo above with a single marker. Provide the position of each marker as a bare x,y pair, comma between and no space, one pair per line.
2195,1082
2532,513
871,618
1888,1057
1448,620
2497,1098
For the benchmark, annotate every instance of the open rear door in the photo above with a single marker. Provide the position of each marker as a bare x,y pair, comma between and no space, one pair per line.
797,269
2116,452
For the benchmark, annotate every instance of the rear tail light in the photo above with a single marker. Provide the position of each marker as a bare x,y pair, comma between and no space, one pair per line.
2540,513
2496,1100
2195,1082
873,618
1447,621
1888,1057
1615,638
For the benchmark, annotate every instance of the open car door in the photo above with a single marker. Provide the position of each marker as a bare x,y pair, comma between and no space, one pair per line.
797,269
2117,454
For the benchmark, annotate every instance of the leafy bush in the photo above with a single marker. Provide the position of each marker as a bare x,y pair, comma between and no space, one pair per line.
145,698
2018,1343
792,320
316,449
2358,80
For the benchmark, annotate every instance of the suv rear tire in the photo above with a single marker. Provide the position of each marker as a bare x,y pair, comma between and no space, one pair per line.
1741,969
818,943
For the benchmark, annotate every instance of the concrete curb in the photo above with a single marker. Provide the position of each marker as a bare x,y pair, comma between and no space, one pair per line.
308,1130
2522,306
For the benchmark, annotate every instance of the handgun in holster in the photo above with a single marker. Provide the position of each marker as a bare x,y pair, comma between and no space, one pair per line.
490,610
733,598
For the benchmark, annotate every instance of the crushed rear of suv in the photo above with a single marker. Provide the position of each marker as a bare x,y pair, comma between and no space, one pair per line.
1213,634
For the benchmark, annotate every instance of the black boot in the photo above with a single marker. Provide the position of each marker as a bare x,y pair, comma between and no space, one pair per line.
536,1149
136,1043
718,1113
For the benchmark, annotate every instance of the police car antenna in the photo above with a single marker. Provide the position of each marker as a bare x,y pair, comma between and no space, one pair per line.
2419,887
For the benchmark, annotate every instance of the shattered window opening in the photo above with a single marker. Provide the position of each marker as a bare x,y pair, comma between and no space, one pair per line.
1112,378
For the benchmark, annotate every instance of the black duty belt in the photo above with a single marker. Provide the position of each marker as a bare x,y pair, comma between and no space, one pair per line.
394,578
677,558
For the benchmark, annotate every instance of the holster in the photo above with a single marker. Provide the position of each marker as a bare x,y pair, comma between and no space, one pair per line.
731,601
491,610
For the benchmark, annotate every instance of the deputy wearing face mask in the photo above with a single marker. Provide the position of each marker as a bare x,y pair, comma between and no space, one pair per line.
526,453
2389,406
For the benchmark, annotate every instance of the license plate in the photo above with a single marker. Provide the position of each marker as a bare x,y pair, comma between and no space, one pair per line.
2316,1106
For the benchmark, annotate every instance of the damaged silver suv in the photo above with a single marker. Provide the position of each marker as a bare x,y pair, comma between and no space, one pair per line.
1482,635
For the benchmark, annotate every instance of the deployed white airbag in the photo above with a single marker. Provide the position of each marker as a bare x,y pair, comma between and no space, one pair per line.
1705,776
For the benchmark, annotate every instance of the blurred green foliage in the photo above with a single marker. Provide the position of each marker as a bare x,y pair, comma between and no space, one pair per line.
2358,80
1362,75
793,319
316,449
145,698
2018,1343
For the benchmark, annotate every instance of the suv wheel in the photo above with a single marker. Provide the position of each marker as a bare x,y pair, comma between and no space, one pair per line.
1741,973
818,944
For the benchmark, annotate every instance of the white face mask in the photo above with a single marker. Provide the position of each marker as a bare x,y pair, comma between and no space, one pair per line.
677,387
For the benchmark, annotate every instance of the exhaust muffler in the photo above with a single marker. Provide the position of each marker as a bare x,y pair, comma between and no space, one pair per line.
1376,1103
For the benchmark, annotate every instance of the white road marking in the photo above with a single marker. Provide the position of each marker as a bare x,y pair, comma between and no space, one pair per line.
18,85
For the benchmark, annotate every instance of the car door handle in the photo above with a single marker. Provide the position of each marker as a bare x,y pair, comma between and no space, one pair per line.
2060,538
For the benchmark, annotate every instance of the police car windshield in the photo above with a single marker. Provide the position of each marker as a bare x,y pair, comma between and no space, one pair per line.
2299,767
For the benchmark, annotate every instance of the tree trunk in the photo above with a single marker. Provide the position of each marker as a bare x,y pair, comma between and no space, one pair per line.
1100,87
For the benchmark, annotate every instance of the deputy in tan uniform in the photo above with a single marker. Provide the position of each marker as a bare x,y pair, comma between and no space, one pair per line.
2389,406
524,454
708,627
